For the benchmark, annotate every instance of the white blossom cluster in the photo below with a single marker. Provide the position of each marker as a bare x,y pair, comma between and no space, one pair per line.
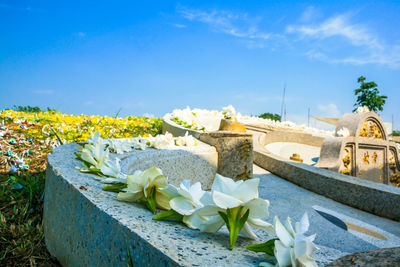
95,153
209,120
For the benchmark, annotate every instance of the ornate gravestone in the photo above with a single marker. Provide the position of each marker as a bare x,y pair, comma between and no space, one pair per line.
361,149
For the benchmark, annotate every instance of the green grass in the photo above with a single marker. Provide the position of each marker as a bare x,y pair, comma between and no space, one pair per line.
21,224
21,192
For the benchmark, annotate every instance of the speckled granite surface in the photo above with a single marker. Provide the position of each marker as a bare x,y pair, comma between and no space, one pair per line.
85,226
376,258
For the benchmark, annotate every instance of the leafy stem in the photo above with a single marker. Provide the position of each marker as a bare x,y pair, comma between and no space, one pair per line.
150,201
234,222
168,215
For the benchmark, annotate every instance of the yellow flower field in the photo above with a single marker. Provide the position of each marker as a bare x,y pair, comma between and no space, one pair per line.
26,138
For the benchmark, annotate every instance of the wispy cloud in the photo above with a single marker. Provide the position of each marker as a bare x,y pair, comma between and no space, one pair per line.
148,115
43,92
178,25
17,8
81,34
330,110
88,103
309,14
339,25
335,40
238,25
339,31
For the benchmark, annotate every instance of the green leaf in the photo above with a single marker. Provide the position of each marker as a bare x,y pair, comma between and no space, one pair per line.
225,218
266,247
128,254
243,220
151,200
168,215
115,187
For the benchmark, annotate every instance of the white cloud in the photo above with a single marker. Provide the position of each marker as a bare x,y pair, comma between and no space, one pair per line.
335,40
148,115
43,92
88,103
370,49
179,25
330,110
309,14
238,25
81,34
339,25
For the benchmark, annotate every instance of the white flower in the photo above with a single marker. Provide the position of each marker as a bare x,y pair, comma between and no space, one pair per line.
139,143
95,138
186,199
112,169
95,155
229,112
363,109
119,146
343,132
186,140
146,186
293,248
161,141
228,194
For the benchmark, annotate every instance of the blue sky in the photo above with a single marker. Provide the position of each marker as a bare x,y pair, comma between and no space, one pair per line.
149,57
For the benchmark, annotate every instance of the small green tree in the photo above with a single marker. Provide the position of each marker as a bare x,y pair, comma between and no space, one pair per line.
368,95
271,116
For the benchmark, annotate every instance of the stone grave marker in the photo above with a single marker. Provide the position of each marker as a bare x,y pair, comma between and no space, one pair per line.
361,148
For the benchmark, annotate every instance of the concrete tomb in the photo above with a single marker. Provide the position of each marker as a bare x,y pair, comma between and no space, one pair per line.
233,144
364,151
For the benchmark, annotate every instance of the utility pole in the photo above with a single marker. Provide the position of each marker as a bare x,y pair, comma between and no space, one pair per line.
284,113
283,102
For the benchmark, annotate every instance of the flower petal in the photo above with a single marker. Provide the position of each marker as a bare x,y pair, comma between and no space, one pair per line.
225,201
193,221
282,233
282,254
247,190
160,181
162,201
169,191
260,224
212,224
209,210
224,184
258,208
86,155
206,199
182,205
129,197
152,173
247,232
302,226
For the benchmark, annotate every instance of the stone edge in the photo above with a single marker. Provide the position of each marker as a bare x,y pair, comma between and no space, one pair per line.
378,199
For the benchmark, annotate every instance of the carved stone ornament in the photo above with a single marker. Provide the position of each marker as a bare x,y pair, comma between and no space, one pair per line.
365,152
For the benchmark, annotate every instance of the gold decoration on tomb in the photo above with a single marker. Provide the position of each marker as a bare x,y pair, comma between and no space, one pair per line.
232,125
296,157
395,178
366,158
346,162
392,162
370,129
374,157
